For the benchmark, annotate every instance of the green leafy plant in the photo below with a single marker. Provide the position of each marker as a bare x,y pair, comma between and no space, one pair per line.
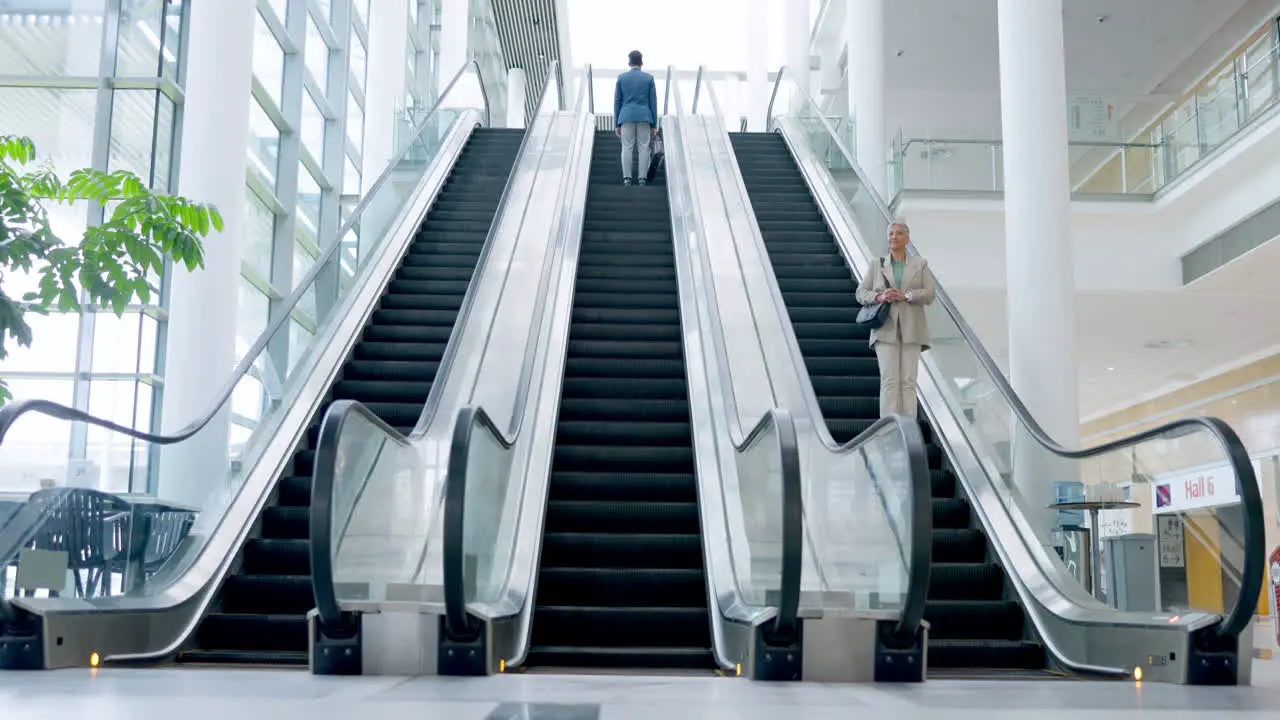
113,264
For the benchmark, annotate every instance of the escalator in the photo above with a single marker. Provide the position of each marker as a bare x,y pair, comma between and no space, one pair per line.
975,623
621,580
259,614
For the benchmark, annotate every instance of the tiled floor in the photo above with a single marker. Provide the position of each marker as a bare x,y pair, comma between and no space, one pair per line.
199,694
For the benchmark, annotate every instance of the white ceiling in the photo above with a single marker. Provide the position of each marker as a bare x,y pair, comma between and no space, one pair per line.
1230,317
943,55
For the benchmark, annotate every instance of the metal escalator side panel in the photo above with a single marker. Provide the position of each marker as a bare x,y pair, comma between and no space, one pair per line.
156,625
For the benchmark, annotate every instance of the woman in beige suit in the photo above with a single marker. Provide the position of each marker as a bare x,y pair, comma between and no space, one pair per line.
903,281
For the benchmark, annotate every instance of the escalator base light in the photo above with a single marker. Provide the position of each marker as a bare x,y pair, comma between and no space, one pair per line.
94,660
502,665
1137,674
738,668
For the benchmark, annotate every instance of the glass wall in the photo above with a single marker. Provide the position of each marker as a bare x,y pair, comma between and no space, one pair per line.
53,56
307,131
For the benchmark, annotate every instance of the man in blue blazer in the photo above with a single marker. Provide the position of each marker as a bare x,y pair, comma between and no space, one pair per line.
635,115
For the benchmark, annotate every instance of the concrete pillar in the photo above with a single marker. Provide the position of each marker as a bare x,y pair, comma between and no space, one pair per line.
758,87
517,81
201,348
864,32
1041,280
386,88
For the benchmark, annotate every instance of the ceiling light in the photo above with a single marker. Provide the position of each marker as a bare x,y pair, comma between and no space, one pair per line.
1168,344
1110,369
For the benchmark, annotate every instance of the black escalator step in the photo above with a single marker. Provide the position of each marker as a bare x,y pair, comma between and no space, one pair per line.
428,287
398,414
633,332
268,594
950,513
632,459
628,239
613,549
390,370
625,285
277,556
633,627
856,348
438,334
831,331
943,483
647,487
261,658
238,631
578,516
433,273
286,522
294,490
625,368
975,619
829,386
647,433
959,546
625,349
622,587
849,407
820,314
442,301
654,658
843,428
622,389
392,351
416,318
380,390
966,581
659,300
994,654
864,366
467,261
625,272
626,316
614,408
595,259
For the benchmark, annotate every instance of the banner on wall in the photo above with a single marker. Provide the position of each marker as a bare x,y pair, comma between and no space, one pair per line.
1273,566
1204,488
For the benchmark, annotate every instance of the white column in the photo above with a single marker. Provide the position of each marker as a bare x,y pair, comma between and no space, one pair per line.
798,28
1041,281
758,87
386,87
864,32
516,83
201,348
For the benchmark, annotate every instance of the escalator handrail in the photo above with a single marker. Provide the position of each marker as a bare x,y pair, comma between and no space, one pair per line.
1238,619
457,619
784,428
321,515
326,460
10,413
921,532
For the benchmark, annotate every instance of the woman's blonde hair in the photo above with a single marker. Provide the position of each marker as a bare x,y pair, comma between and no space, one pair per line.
902,225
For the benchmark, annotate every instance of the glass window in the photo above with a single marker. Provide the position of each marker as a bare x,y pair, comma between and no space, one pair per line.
132,131
252,308
308,201
313,126
114,462
54,339
37,448
69,48
326,9
300,340
350,178
355,123
279,6
317,53
172,38
359,60
302,262
268,59
124,344
138,50
264,144
259,233
162,165
362,10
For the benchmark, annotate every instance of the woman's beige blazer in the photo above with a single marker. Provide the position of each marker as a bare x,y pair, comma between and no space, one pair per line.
907,317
